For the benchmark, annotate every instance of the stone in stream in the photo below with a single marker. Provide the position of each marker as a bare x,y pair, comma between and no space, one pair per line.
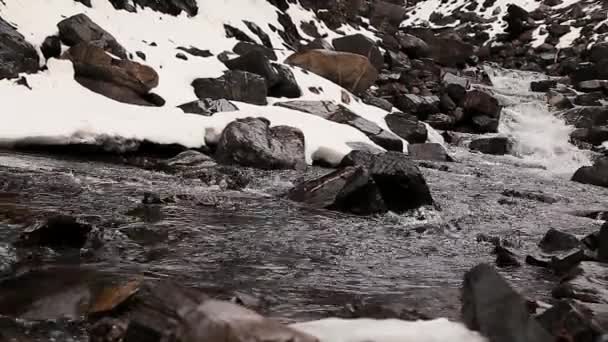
555,241
505,258
57,232
494,145
428,151
408,127
543,85
492,307
570,321
595,175
602,246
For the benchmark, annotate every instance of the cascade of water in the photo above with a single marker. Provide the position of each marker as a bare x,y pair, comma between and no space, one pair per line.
539,136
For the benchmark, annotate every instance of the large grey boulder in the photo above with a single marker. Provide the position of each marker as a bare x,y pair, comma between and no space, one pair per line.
16,54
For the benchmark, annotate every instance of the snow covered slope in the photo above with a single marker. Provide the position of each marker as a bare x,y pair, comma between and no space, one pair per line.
58,109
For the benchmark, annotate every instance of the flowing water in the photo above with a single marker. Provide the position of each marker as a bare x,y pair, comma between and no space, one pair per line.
306,263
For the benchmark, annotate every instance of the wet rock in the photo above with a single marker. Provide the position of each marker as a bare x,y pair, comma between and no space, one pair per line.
351,71
80,28
555,241
494,145
595,175
226,177
361,45
350,189
586,117
559,100
407,126
590,86
196,51
57,232
602,250
478,103
585,284
570,321
441,121
251,142
593,135
399,179
484,124
121,80
492,307
16,54
530,195
598,52
428,151
421,106
51,47
590,99
187,160
233,85
505,258
377,102
543,86
208,107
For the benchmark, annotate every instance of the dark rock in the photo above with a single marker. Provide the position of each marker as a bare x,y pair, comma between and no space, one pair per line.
584,283
428,151
543,86
518,21
555,241
478,103
563,265
51,47
286,85
171,7
351,71
400,182
530,195
446,103
595,175
251,142
413,46
494,145
323,109
22,81
492,307
559,100
243,48
586,117
318,44
377,102
185,161
590,99
233,85
257,63
85,2
57,232
421,106
456,87
233,32
208,107
594,135
264,38
196,51
598,52
16,54
361,45
81,29
441,121
181,56
570,321
505,258
151,198
602,250
407,127
141,55
591,86
154,99
349,189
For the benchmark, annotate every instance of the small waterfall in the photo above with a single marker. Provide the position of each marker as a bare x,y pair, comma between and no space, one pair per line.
539,136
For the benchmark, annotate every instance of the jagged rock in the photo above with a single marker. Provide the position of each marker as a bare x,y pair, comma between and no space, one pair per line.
494,145
543,86
16,54
377,102
51,47
319,108
264,38
518,20
595,175
505,258
171,7
196,51
361,45
121,80
492,307
555,241
208,107
233,32
243,48
57,232
570,321
80,28
257,63
233,85
407,126
351,71
421,106
428,151
441,121
598,52
287,86
252,142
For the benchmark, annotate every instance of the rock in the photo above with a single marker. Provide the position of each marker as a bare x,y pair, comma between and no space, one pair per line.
121,80
598,52
441,121
455,87
16,54
492,307
494,145
257,63
243,48
171,7
477,103
399,180
79,29
570,321
421,106
180,55
595,175
518,21
187,160
351,71
586,117
585,283
407,127
318,44
602,250
251,142
57,232
590,99
264,38
555,241
530,195
208,107
360,45
51,47
428,151
350,189
377,102
413,46
543,86
286,86
323,109
85,2
233,85
505,258
590,86
594,136
558,100
196,51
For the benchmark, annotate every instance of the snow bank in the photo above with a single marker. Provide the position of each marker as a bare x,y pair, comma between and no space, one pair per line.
388,330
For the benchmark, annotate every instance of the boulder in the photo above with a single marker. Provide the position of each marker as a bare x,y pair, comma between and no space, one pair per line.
593,135
360,45
243,48
233,85
81,29
287,86
586,117
57,232
590,99
428,151
602,248
208,107
455,87
492,307
543,85
441,121
421,106
556,241
413,46
351,71
570,321
407,126
16,54
595,175
255,62
121,80
377,102
51,47
586,284
518,21
591,86
477,102
599,52
399,180
171,7
194,51
252,142
493,145
505,258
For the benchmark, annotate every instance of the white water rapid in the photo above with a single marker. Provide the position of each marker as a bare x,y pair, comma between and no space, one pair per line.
539,136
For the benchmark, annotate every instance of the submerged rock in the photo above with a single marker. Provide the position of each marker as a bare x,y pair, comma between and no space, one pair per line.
595,175
494,145
57,232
